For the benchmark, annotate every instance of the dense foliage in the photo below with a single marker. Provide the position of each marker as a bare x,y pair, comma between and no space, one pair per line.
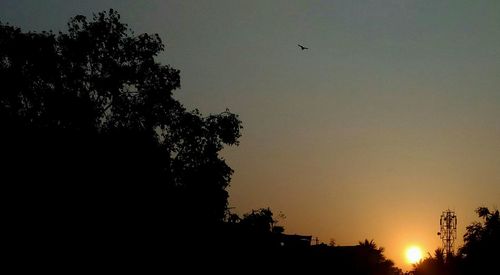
95,148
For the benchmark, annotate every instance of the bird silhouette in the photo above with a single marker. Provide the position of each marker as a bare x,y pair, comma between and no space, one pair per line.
302,47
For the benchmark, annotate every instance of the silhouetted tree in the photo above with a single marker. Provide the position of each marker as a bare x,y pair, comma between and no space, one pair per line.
434,265
260,220
94,142
481,249
371,260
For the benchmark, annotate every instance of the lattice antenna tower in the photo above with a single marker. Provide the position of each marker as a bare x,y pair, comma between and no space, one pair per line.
448,233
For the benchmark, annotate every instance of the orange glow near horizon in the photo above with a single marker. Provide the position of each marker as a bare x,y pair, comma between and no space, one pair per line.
413,254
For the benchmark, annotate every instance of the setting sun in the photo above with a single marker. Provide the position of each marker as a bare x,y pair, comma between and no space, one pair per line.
413,254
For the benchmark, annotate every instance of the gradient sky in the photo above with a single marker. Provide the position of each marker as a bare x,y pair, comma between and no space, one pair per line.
391,117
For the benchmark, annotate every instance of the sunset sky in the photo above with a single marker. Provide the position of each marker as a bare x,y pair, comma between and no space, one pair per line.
391,117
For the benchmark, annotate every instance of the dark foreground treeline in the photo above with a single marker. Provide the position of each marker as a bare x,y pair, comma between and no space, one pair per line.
255,244
103,170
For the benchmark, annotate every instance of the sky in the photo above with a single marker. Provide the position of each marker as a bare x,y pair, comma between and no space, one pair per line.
391,117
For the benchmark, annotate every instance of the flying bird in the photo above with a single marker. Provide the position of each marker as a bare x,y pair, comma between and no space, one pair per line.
302,47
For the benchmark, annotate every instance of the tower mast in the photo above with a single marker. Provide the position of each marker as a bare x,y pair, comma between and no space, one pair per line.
448,232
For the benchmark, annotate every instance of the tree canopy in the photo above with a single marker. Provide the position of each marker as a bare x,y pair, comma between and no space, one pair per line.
481,249
91,132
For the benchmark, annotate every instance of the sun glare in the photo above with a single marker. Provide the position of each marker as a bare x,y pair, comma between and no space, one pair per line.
413,254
